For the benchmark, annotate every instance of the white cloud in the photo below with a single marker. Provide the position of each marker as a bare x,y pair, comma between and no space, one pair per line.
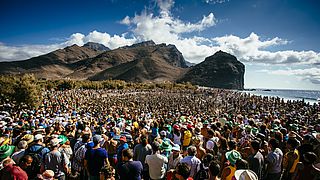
311,74
216,1
252,49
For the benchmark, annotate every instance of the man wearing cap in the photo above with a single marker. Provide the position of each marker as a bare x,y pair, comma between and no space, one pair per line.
123,145
95,158
56,161
175,157
176,137
39,149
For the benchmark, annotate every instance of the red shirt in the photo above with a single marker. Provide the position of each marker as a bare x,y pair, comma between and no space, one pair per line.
13,172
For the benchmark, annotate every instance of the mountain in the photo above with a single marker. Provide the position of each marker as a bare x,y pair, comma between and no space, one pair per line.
54,65
221,70
142,62
145,62
96,46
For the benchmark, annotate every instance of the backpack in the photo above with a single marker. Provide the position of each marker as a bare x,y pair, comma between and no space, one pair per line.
202,174
37,160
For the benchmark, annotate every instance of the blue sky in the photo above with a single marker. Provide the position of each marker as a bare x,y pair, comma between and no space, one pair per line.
278,40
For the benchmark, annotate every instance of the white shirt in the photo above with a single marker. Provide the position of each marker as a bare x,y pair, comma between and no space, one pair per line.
193,162
156,163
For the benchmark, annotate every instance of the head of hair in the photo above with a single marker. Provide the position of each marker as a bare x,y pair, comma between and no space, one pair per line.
192,150
210,132
155,146
183,169
85,137
223,143
214,168
22,144
279,136
25,158
144,140
293,142
127,153
207,159
255,145
232,144
274,143
242,164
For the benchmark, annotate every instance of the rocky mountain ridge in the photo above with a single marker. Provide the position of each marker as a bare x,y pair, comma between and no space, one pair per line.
141,62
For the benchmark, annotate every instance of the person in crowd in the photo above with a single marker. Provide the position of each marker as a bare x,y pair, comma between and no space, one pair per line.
77,165
25,164
95,158
192,160
274,161
22,146
130,169
156,162
290,159
56,161
214,170
256,159
175,157
37,151
182,172
228,172
12,171
123,145
140,152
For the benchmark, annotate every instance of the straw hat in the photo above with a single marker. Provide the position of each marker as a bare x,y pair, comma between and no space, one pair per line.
28,137
245,175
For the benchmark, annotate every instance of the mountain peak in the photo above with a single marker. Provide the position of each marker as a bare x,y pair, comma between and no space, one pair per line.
96,46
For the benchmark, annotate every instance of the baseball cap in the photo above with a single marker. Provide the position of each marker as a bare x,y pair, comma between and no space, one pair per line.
123,138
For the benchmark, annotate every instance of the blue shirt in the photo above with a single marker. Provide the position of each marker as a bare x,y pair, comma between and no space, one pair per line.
95,159
119,151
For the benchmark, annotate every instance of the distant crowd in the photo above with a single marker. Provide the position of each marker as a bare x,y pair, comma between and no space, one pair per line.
202,134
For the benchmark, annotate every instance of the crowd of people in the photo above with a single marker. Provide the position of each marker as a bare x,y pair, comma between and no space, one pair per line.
202,134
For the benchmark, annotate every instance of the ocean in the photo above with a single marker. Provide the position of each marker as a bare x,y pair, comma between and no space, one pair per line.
310,96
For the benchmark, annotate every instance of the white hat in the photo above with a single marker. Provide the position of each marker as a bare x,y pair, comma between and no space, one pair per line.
245,174
210,145
163,133
38,137
176,147
55,141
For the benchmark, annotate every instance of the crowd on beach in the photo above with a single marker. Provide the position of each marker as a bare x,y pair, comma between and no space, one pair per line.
202,134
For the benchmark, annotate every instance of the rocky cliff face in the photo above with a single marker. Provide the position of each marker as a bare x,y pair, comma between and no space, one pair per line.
220,70
96,46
